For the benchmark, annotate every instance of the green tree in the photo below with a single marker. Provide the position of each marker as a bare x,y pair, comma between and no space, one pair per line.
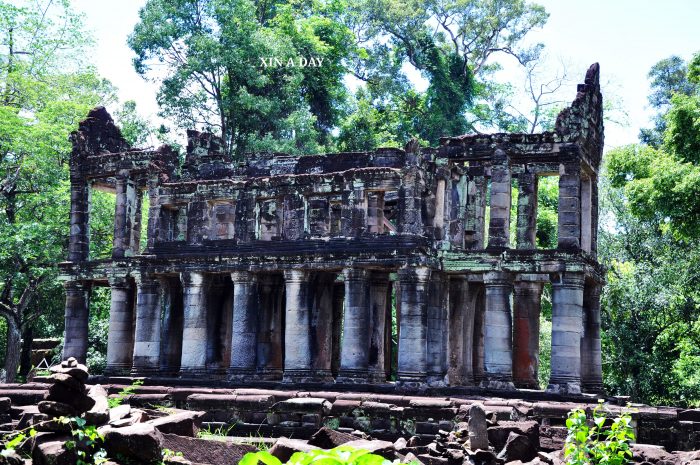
651,293
137,131
651,250
44,92
451,43
225,68
372,124
668,77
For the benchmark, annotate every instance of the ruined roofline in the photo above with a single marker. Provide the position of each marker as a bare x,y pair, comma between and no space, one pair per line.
586,104
581,123
240,180
98,139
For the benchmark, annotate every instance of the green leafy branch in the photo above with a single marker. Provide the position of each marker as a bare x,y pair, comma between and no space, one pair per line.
606,441
87,441
16,440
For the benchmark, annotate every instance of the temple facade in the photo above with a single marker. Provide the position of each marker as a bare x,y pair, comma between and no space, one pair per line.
418,264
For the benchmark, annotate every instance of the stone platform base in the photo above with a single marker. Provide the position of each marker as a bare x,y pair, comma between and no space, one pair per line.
385,412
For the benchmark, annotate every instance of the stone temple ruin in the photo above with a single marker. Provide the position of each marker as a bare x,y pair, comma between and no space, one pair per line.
286,268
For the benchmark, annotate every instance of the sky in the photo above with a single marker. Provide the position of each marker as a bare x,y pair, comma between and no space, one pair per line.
625,36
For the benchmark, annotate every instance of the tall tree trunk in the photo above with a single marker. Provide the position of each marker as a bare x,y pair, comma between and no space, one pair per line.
13,349
25,363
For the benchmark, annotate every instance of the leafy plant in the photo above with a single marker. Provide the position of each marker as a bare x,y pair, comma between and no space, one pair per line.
124,393
163,408
168,454
604,442
216,433
258,441
342,455
332,423
87,441
408,426
16,440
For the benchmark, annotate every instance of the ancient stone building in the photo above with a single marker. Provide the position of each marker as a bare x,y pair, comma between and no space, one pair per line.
285,268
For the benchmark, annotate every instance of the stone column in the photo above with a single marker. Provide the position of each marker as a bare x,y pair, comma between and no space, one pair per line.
389,344
569,225
411,202
354,356
337,311
124,209
79,245
321,286
594,216
375,212
413,334
297,340
475,210
194,331
120,339
148,326
591,361
567,328
135,222
379,299
457,201
439,218
527,296
293,217
527,211
498,327
76,320
154,213
586,214
499,223
477,301
438,300
270,351
172,325
461,333
244,327
354,209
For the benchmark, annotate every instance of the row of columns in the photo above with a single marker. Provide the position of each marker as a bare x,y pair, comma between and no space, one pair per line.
511,340
577,205
136,325
451,330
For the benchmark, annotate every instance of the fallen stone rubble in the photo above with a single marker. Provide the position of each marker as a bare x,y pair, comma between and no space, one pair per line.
429,431
136,436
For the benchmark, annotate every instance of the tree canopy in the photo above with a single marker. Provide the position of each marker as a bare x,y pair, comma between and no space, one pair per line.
662,183
213,60
225,68
451,44
44,91
650,246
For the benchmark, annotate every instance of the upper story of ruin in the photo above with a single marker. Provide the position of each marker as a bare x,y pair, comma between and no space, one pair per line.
448,207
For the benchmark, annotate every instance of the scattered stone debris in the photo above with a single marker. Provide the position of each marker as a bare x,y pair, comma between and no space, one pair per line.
326,438
480,432
129,434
